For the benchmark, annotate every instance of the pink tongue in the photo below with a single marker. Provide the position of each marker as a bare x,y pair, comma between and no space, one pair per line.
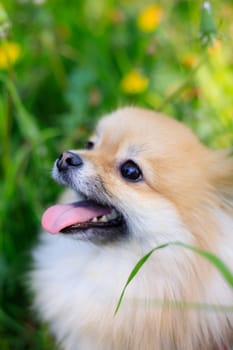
58,217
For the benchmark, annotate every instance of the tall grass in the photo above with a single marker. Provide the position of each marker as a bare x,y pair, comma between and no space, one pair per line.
66,63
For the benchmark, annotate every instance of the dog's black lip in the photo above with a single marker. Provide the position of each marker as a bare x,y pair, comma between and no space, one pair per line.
119,221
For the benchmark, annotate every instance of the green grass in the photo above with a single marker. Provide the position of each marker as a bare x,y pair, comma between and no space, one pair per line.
213,259
73,57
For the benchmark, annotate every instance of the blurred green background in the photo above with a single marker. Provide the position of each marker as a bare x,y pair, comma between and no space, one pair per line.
65,63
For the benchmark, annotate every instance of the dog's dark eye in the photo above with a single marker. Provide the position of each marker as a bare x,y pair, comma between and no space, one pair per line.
89,145
131,171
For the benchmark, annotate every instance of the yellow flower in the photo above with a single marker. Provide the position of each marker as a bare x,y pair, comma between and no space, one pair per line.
149,19
9,54
189,60
134,82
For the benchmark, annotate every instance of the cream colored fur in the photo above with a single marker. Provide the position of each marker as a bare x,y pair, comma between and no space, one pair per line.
187,196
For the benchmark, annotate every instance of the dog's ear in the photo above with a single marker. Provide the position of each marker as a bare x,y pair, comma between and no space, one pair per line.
222,175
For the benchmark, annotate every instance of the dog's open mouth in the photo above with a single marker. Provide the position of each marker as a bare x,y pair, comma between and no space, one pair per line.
79,217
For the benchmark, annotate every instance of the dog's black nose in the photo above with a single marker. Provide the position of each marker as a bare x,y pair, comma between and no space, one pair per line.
68,159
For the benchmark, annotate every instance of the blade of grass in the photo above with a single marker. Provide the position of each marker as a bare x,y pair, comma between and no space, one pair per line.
218,263
135,270
11,174
185,305
4,132
26,122
10,322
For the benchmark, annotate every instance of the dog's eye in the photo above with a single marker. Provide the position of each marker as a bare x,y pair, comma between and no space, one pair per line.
89,145
131,171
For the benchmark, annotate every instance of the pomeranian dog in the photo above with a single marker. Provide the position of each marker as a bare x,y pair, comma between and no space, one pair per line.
143,180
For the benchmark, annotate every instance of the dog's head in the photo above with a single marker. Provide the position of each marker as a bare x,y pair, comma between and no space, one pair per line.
141,175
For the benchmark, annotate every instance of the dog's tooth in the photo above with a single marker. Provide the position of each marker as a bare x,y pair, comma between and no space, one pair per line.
103,218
